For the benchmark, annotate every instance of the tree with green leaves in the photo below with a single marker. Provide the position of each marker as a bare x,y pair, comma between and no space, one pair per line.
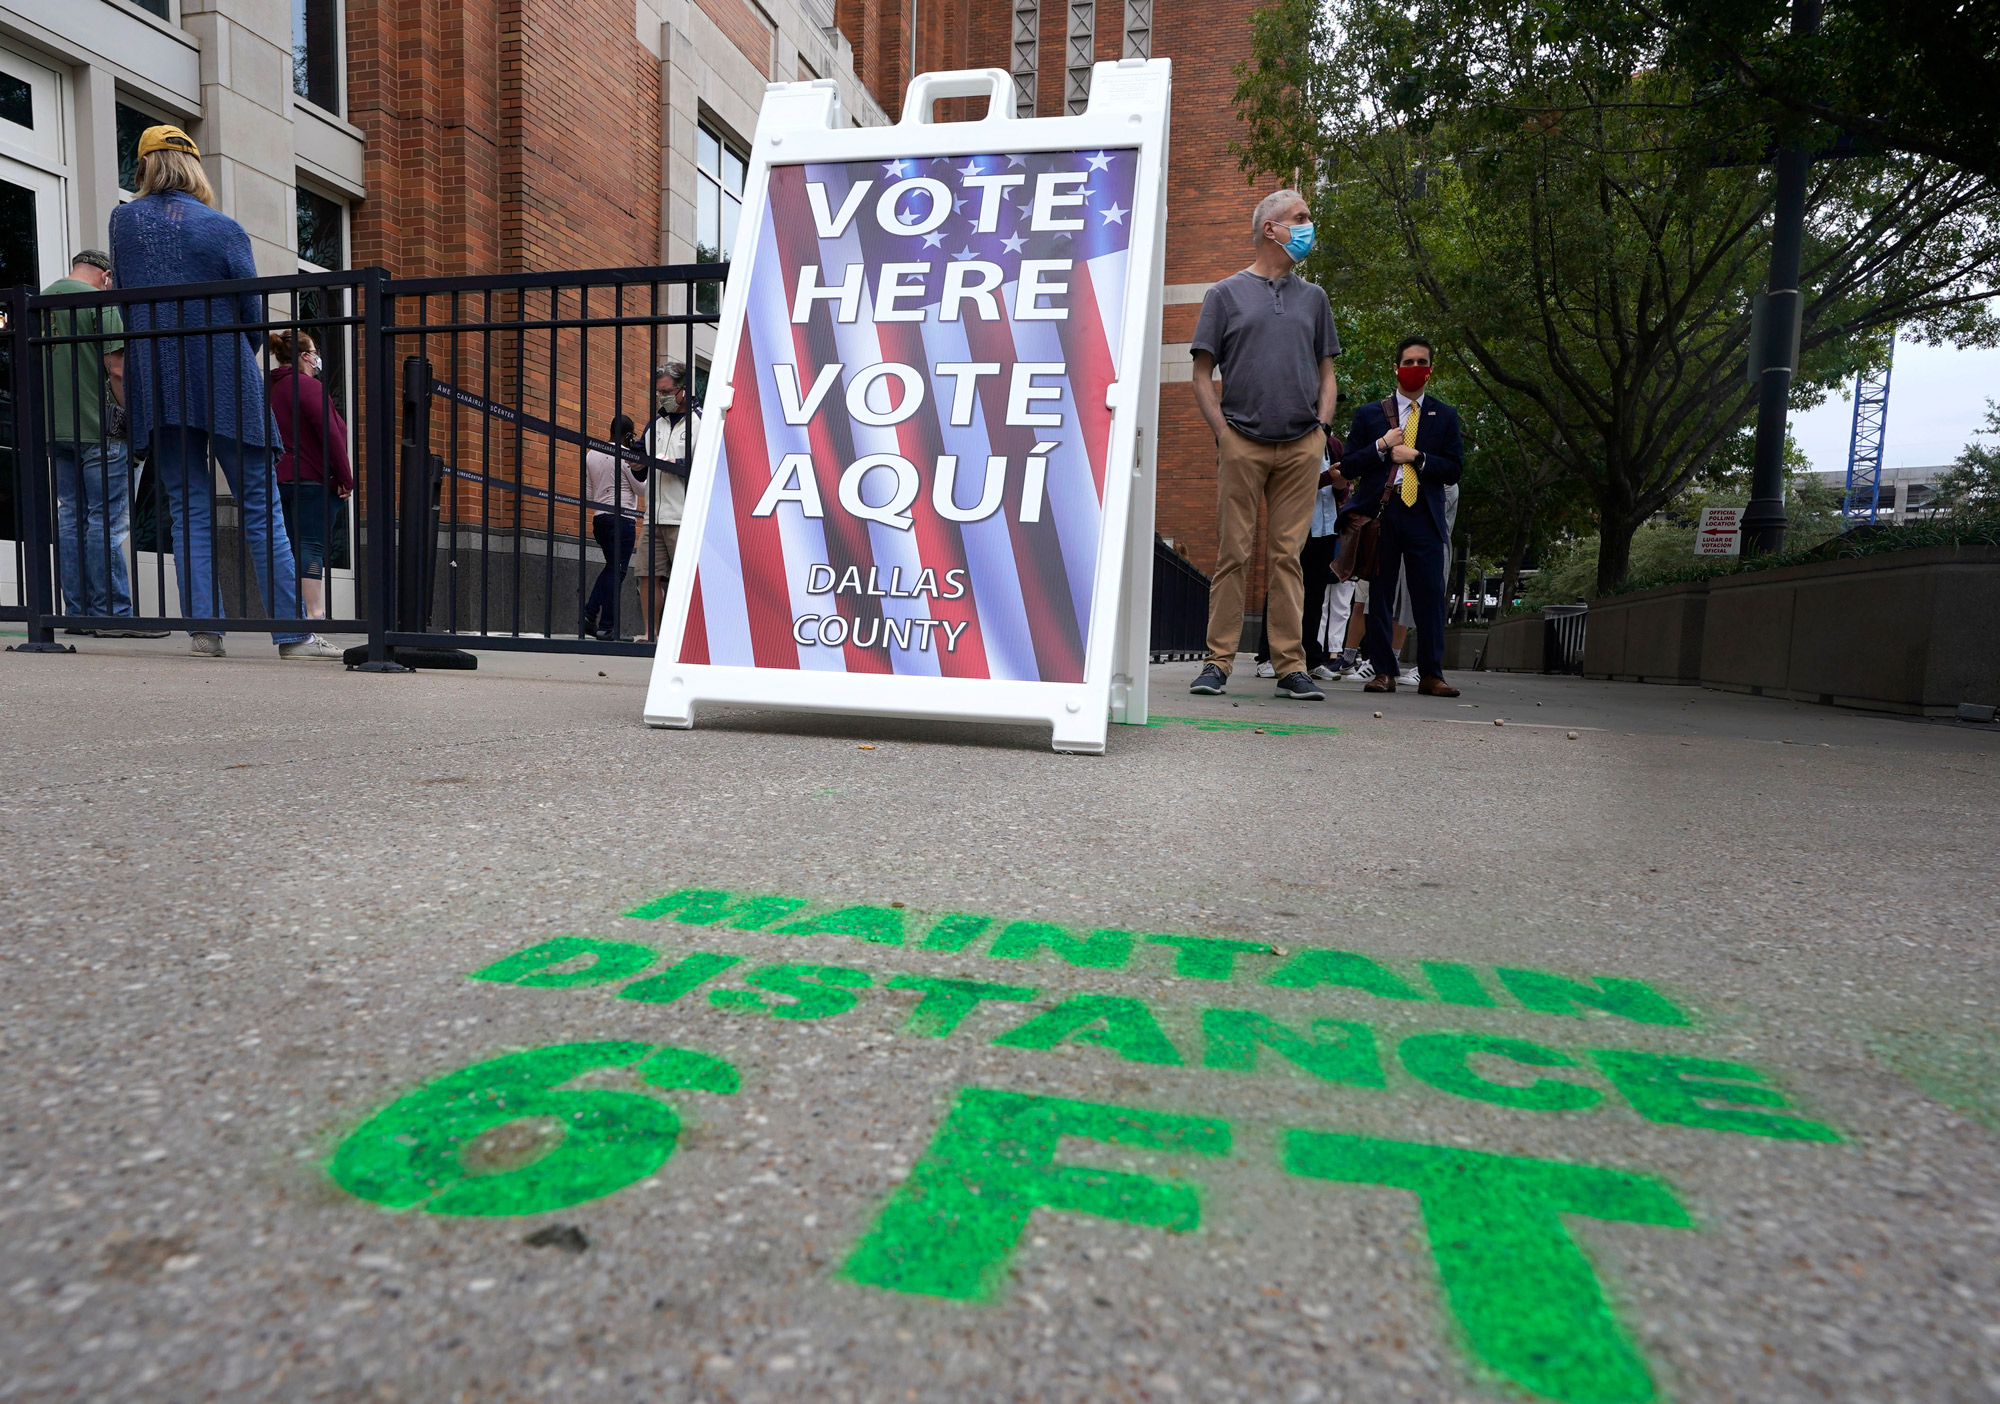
1584,238
1970,488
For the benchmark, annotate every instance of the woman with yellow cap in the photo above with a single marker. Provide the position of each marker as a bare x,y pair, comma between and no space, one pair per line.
200,398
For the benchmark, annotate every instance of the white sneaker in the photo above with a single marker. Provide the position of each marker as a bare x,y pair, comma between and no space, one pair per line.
1362,671
1325,674
1408,677
1265,670
206,646
313,647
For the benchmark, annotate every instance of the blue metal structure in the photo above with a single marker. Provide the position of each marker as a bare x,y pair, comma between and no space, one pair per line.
1864,446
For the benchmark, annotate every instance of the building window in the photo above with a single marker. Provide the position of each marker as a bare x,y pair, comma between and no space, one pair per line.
718,203
132,124
322,233
155,7
316,52
323,249
20,246
17,101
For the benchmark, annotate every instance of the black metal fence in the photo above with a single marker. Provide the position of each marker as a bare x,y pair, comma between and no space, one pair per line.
535,425
1180,607
429,462
1562,638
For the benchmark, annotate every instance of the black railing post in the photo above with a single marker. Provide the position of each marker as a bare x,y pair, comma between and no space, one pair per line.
416,536
31,477
378,406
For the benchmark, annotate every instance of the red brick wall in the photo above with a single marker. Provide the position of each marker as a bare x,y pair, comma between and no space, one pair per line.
879,30
749,31
509,136
504,135
1208,237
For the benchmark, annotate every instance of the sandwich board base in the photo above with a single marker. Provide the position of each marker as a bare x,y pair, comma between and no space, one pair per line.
1075,725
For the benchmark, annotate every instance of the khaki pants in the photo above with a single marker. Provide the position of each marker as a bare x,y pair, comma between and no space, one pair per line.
1285,477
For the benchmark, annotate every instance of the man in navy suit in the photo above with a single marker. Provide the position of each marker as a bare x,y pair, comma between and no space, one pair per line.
1401,468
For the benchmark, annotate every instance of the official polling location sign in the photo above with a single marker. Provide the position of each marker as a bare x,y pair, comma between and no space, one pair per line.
1720,532
923,483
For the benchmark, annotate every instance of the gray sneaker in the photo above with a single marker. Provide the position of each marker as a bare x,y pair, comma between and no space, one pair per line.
314,647
1299,688
207,646
1211,681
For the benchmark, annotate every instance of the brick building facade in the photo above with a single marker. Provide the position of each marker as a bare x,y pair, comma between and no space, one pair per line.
440,137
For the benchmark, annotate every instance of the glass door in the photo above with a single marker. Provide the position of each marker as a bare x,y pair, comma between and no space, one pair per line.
31,253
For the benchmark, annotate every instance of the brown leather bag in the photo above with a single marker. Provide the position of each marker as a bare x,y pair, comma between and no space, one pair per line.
1360,540
1361,537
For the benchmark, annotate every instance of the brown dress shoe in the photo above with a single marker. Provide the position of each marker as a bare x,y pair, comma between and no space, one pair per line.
1379,684
1436,687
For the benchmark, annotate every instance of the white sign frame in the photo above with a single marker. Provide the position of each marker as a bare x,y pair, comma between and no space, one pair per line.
802,122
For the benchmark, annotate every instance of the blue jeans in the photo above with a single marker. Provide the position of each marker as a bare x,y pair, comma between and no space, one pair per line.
93,524
306,515
182,457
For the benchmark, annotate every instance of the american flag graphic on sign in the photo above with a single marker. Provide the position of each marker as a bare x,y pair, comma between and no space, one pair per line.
911,478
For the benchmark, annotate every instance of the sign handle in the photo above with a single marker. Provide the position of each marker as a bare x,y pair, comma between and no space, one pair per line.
996,85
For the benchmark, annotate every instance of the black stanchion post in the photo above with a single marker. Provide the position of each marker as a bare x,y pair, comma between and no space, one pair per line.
422,474
31,477
378,475
416,538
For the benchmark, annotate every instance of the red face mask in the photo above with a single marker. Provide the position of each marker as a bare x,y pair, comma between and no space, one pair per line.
1412,379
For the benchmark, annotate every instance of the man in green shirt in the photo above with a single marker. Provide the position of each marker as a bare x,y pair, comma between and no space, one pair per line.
87,451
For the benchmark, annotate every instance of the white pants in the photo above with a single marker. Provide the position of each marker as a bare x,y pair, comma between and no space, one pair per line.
1334,615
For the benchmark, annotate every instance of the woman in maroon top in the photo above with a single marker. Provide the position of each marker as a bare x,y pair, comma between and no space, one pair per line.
315,457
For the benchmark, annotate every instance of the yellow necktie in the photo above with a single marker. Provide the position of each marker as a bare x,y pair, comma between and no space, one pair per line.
1408,471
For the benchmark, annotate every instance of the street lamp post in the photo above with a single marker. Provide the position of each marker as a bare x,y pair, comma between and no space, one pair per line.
1764,519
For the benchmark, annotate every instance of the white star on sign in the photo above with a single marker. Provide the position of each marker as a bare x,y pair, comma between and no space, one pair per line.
934,238
1099,161
1017,160
1114,215
970,168
895,168
963,253
957,205
1013,245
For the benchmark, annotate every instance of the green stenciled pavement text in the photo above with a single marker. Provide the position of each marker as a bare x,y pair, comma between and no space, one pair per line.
411,1154
1514,1280
951,1227
1195,957
1669,1089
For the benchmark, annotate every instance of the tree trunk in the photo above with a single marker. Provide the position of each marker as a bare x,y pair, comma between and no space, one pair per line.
1614,551
1517,551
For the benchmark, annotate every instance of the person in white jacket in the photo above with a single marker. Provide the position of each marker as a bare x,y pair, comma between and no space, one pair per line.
670,439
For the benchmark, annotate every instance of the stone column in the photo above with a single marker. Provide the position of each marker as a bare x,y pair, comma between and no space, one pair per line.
246,128
96,155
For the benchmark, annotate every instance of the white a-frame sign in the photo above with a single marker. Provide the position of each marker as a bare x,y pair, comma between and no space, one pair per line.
923,485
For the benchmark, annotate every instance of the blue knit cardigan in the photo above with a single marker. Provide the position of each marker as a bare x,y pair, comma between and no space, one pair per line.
203,382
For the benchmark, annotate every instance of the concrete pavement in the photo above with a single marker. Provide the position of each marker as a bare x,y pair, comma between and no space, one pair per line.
1282,1053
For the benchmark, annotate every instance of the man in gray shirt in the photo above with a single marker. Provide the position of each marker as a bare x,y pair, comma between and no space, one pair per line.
1271,334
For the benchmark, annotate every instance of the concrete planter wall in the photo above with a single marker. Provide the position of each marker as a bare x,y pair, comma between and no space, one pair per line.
1462,647
1906,631
1650,636
1516,645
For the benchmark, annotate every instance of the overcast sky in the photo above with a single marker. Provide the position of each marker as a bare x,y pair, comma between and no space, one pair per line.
1937,398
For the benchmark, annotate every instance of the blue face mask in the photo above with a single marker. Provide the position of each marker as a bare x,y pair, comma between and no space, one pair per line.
1301,241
